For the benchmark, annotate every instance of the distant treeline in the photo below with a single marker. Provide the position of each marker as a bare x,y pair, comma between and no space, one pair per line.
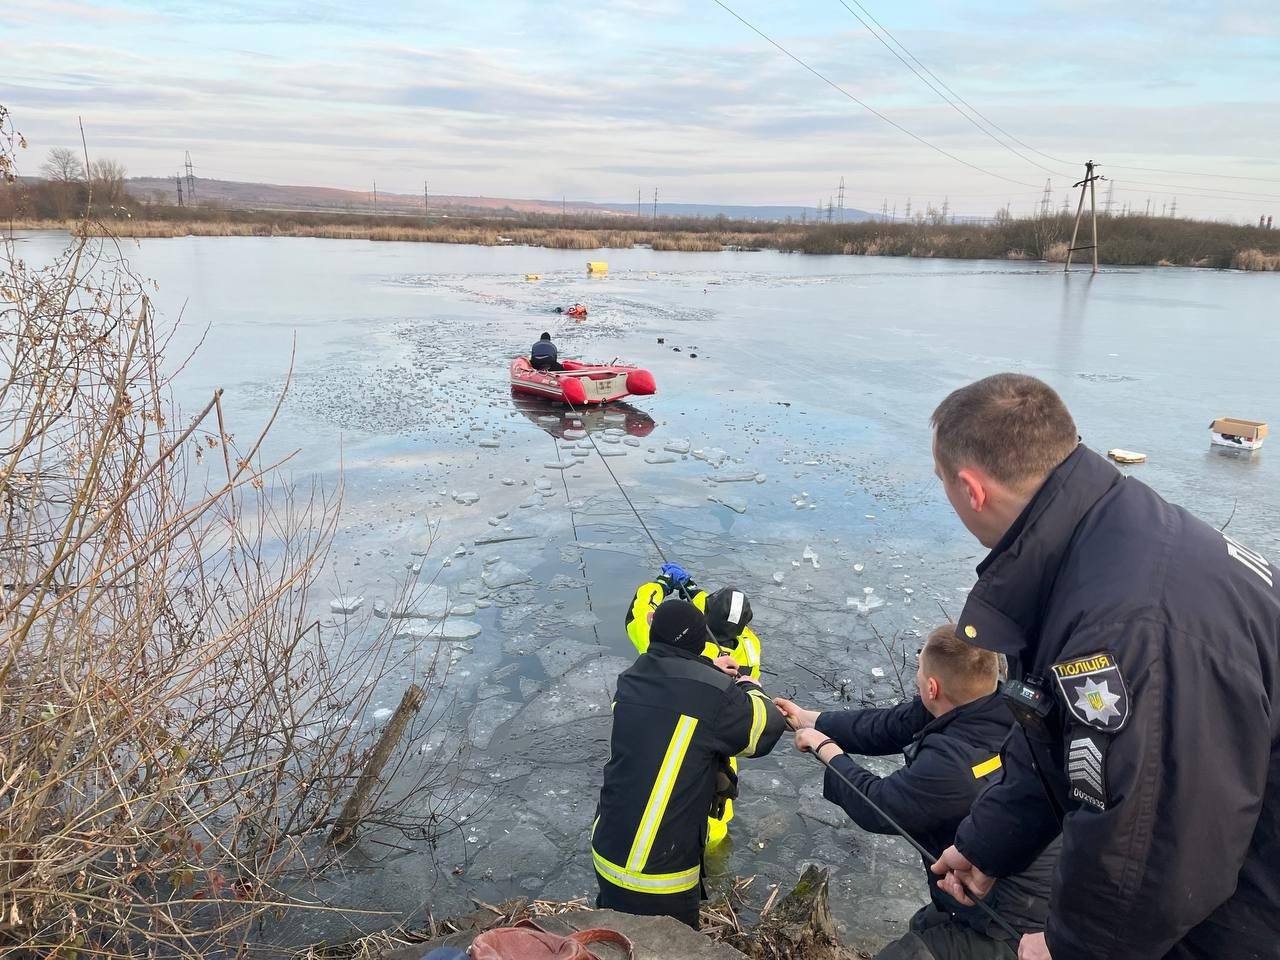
1123,240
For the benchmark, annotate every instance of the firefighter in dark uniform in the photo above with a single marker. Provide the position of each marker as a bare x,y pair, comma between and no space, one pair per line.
950,736
1144,648
677,719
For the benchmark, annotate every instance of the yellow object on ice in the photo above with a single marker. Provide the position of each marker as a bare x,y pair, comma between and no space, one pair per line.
597,266
533,276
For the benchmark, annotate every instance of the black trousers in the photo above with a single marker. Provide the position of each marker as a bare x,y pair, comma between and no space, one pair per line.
936,935
680,906
544,363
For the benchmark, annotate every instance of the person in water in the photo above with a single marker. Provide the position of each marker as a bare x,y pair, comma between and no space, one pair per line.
543,354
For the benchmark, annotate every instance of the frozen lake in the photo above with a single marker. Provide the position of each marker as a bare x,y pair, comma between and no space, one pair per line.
807,483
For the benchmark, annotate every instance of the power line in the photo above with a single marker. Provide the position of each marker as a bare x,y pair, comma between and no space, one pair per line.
866,106
925,80
947,88
1187,173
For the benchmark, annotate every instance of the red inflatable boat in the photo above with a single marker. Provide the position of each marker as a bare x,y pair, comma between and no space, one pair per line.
581,383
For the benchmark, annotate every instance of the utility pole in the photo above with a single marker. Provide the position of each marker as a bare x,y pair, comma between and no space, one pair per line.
191,179
1045,200
655,206
1106,204
895,213
639,206
842,199
946,205
831,209
177,180
1173,211
1086,184
375,196
884,211
426,201
908,214
1148,213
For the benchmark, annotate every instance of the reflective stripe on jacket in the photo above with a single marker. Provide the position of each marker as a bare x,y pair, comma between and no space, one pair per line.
675,717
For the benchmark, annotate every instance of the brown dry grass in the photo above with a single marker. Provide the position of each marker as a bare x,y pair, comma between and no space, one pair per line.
1255,260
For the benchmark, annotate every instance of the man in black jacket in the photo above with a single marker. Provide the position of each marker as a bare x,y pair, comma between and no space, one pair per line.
950,736
677,719
1145,647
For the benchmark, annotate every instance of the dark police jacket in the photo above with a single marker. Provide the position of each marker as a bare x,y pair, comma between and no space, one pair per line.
675,718
543,350
950,760
1156,638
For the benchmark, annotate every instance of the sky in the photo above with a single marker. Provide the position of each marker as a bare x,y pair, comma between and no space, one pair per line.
596,101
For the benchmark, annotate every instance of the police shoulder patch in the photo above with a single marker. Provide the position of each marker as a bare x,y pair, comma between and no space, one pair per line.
1093,691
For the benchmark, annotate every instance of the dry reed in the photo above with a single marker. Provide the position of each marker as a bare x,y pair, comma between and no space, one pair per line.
176,728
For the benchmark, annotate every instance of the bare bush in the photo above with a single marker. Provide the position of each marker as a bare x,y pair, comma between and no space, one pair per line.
177,728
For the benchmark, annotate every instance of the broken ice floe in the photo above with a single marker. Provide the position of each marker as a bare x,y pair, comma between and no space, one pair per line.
490,443
810,555
866,605
345,604
450,629
659,458
676,446
504,574
741,476
466,498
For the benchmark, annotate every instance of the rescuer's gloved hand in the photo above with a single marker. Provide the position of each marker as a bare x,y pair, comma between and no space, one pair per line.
675,579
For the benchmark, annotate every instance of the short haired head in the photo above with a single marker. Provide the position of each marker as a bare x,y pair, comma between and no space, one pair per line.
728,613
545,336
1015,427
678,623
994,442
952,673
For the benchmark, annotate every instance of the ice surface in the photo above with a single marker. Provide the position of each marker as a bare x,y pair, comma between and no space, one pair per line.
490,443
712,455
575,434
559,656
810,555
613,452
558,464
676,446
736,504
778,577
866,606
737,477
659,458
631,441
466,498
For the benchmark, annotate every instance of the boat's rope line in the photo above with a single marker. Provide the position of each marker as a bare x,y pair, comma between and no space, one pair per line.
605,461
582,559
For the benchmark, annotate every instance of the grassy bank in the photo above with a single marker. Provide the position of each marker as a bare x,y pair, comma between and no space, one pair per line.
1124,240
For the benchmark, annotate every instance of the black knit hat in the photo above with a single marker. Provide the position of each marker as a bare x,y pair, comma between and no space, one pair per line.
545,336
680,624
728,611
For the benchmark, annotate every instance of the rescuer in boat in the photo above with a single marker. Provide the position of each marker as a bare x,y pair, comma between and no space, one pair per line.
728,613
950,735
543,354
676,718
1145,647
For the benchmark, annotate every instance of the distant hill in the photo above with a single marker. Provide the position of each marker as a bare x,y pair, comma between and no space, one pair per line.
730,210
273,196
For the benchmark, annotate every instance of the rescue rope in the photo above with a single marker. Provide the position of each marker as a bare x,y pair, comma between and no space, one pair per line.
1000,921
605,461
573,522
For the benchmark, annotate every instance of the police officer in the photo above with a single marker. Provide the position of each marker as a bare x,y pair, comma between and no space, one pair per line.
676,717
950,735
728,613
1145,651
